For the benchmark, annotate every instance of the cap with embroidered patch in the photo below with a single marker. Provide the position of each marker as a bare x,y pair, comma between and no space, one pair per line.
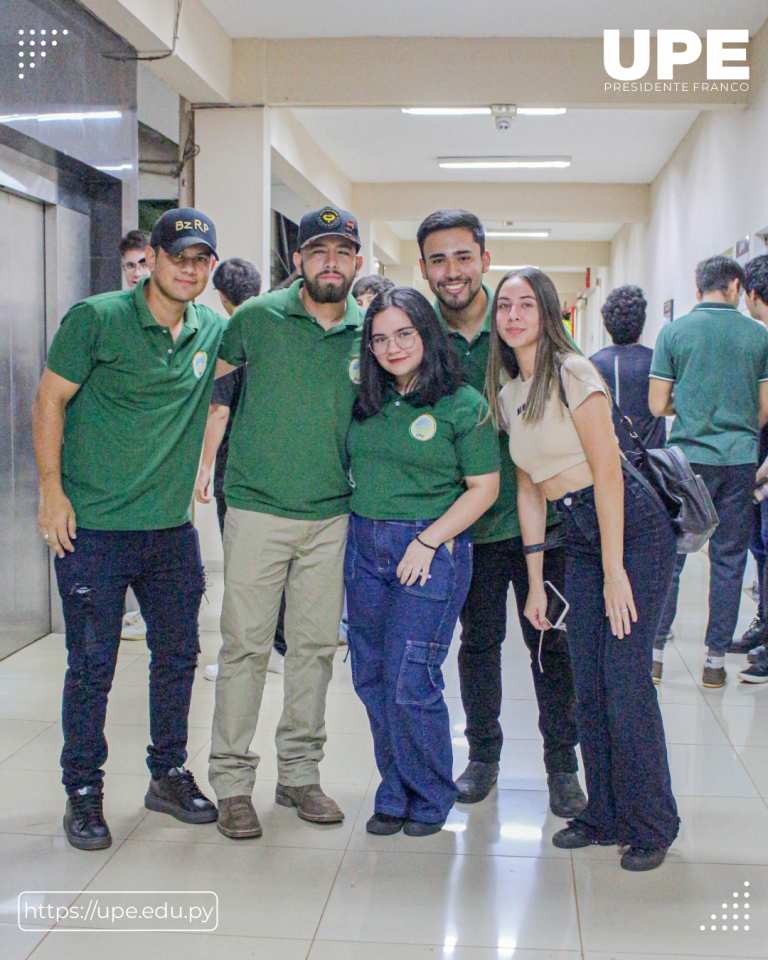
178,229
330,221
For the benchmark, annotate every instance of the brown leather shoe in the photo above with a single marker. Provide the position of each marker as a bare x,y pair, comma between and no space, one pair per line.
311,803
237,818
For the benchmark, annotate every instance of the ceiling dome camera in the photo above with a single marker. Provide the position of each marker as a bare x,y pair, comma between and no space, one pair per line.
502,123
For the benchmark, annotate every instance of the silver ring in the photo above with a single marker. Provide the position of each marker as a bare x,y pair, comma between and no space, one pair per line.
46,536
624,610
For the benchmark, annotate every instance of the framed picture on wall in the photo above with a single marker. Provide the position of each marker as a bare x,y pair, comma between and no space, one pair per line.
669,311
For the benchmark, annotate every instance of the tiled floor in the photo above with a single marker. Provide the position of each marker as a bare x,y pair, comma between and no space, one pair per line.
489,886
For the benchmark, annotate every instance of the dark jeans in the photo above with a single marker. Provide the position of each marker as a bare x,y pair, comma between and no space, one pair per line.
731,491
279,642
484,627
620,725
758,544
165,571
398,640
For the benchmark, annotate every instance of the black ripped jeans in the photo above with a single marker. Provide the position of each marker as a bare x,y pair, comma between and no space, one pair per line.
166,573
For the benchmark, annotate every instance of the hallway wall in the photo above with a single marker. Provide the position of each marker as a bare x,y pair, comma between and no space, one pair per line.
712,191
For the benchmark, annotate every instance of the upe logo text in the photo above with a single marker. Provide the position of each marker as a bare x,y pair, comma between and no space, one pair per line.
677,47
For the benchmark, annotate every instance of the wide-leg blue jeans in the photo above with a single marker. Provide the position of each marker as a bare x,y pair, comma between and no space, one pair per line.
620,726
398,640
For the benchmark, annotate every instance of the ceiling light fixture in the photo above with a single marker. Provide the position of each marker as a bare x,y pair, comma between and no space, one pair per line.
46,117
516,266
529,234
541,111
503,163
480,111
447,111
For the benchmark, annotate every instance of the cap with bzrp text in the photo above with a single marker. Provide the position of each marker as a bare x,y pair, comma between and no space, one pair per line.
328,222
178,229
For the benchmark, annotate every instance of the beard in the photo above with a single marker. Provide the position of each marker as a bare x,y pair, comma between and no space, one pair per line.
460,301
322,292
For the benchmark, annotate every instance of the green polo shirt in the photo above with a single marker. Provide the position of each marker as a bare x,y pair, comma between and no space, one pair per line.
409,461
286,450
134,430
500,521
716,358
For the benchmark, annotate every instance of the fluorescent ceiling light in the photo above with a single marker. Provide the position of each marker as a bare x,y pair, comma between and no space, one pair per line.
448,111
502,163
45,117
535,234
541,111
122,166
480,111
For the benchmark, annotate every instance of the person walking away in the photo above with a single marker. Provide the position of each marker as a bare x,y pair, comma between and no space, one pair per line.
424,468
754,642
620,549
126,388
710,371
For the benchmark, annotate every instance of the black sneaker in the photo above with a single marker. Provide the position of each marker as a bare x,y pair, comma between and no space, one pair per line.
178,794
84,822
755,634
638,859
756,653
757,673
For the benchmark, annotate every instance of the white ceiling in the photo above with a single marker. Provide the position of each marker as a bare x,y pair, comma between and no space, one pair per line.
607,146
479,18
406,229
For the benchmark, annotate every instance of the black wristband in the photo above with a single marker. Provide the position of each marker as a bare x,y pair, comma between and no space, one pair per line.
426,544
534,548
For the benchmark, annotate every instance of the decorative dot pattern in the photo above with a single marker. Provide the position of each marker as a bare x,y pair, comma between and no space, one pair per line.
735,916
28,48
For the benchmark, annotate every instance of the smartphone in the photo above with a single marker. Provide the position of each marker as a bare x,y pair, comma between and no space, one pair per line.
557,607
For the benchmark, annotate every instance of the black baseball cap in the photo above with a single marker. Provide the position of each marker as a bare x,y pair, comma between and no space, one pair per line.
181,228
330,221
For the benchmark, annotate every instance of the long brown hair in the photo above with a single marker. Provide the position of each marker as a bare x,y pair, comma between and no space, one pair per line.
553,347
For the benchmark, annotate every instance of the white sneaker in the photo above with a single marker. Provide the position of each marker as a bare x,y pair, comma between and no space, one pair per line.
276,662
211,671
134,627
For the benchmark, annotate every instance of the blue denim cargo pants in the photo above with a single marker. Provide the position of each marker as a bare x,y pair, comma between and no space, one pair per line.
398,640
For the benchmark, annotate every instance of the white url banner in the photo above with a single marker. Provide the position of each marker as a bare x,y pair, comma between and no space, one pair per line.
126,911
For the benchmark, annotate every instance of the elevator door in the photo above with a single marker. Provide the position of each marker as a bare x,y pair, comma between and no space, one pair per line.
24,564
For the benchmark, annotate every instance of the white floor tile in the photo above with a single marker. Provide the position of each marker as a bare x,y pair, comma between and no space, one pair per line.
755,759
263,891
16,944
708,771
14,734
93,945
474,901
661,912
339,950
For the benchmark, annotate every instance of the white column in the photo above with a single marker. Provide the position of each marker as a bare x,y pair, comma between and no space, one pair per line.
366,243
233,184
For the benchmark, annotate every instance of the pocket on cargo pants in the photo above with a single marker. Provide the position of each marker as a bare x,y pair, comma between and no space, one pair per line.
420,681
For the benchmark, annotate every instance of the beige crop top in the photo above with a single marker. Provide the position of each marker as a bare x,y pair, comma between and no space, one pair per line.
552,445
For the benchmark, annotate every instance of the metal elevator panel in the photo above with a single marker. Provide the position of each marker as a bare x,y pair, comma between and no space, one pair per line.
24,562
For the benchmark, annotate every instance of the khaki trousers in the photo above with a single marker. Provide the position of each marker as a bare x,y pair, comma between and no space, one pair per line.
262,556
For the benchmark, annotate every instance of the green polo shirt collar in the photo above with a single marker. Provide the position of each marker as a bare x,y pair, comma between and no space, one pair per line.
714,305
486,327
191,321
294,307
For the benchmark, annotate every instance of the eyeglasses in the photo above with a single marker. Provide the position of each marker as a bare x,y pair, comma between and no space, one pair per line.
405,339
